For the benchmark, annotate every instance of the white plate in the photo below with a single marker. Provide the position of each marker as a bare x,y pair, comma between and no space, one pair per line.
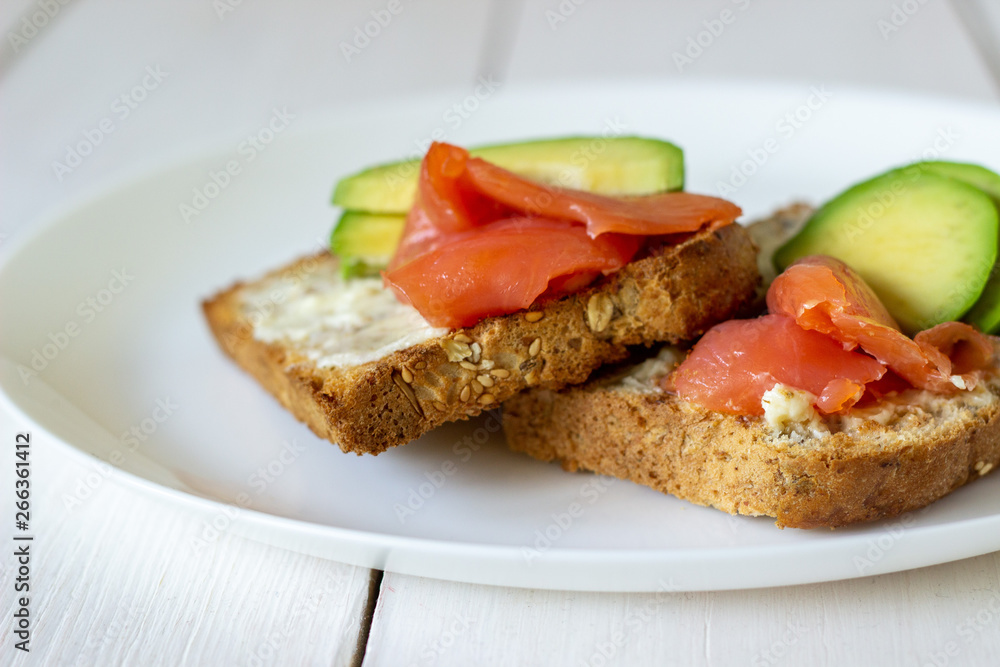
479,512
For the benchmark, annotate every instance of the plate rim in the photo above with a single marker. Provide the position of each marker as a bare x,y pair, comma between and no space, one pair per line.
550,575
510,558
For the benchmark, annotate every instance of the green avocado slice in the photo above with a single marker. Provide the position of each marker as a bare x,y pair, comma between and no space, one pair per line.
365,242
611,166
926,243
985,314
986,180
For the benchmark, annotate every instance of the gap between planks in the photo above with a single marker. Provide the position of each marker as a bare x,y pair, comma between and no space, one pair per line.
502,26
982,34
494,58
374,591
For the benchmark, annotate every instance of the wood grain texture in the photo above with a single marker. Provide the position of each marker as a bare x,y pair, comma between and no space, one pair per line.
949,613
117,578
113,586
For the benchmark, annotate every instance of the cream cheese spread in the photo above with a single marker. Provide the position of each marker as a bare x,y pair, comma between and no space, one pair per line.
332,321
784,405
645,376
789,411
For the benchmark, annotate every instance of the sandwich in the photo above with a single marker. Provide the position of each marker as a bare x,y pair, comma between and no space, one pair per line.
456,282
868,388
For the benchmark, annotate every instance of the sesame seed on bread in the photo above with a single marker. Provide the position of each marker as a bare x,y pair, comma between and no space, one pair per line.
673,294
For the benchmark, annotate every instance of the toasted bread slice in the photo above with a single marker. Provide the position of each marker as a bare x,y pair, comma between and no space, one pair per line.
423,378
874,464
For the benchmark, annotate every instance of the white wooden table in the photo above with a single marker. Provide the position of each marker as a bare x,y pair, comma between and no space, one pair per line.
115,582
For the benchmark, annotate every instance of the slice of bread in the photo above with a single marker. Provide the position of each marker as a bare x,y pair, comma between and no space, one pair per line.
874,464
418,378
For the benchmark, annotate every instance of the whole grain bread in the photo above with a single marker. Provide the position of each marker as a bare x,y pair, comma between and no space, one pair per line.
876,463
673,294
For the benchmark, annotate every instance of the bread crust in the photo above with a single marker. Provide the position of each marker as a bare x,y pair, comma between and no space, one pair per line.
675,294
734,463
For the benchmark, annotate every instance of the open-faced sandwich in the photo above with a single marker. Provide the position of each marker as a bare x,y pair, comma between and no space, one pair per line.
509,274
857,396
459,281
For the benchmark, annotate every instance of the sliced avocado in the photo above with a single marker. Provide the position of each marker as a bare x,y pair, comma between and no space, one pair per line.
611,166
985,314
365,242
924,242
973,174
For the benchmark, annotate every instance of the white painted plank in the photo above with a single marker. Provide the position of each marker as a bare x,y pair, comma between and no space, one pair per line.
990,13
949,613
860,42
115,580
981,19
222,75
139,598
22,20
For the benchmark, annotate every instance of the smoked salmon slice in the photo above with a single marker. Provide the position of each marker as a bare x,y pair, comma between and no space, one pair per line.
652,215
481,241
823,294
827,334
448,193
735,362
420,235
498,269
